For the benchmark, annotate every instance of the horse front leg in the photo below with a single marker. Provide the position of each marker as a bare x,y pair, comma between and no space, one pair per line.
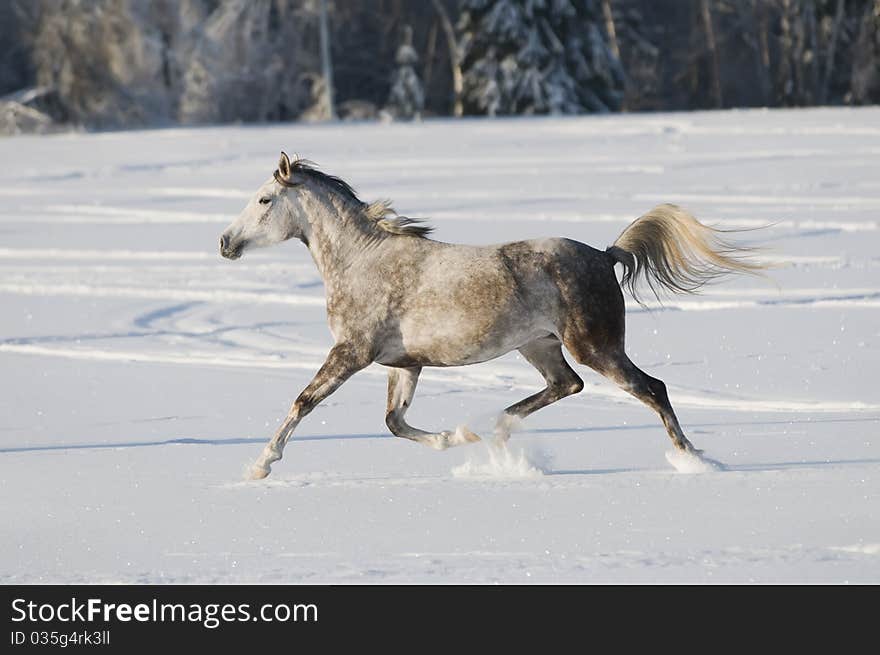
401,388
342,362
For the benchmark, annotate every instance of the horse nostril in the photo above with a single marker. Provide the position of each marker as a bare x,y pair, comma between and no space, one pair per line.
224,242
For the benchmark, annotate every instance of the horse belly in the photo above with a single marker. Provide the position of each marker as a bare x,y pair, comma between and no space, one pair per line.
455,339
468,307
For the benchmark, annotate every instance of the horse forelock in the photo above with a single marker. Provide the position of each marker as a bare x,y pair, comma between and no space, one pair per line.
379,213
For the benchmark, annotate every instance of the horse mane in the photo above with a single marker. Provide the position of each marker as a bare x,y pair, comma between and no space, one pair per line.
380,213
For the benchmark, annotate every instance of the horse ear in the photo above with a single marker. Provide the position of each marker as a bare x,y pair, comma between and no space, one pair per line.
284,166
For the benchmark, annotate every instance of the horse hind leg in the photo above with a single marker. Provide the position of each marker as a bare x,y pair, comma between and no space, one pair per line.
545,355
401,388
616,366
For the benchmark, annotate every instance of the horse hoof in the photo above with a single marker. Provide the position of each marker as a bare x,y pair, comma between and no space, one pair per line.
441,441
447,439
460,437
463,435
257,472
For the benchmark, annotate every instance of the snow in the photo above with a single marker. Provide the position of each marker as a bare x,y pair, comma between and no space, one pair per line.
692,462
141,373
501,462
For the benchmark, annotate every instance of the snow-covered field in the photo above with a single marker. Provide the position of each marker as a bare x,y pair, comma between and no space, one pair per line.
141,373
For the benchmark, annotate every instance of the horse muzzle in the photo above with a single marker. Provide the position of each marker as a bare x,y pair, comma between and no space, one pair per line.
230,250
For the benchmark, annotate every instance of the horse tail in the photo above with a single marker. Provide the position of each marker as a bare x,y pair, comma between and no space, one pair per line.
671,250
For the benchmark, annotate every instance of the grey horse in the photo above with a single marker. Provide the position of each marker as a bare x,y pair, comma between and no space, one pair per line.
399,298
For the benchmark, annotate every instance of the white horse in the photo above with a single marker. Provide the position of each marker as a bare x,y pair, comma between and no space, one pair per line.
398,298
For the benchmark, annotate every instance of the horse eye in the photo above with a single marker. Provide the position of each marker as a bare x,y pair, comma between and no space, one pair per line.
265,201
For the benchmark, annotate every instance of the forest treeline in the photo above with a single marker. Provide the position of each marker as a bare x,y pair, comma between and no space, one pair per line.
123,63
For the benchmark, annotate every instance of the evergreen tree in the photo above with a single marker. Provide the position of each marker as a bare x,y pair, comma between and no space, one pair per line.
407,98
537,57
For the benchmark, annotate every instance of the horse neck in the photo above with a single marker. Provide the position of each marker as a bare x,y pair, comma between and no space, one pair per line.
339,235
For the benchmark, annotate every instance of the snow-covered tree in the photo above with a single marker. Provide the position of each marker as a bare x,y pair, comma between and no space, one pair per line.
537,57
245,63
105,60
407,98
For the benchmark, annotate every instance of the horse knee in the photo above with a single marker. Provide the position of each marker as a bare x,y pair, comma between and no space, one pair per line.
303,404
